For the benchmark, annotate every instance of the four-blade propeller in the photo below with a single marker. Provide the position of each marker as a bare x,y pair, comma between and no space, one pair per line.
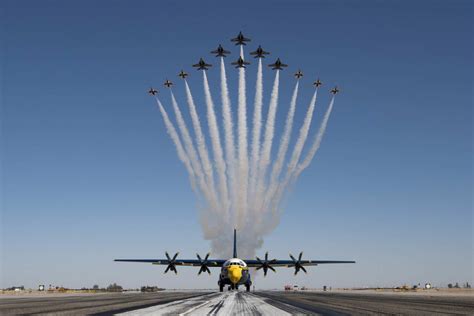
204,264
297,263
171,263
266,264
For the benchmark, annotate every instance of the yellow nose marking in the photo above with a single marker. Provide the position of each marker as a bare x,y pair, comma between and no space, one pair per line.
234,273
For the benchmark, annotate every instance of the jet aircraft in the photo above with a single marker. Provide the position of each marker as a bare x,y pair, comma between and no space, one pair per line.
298,74
240,39
220,51
234,271
335,90
317,83
278,65
183,74
240,63
152,91
168,83
201,65
259,53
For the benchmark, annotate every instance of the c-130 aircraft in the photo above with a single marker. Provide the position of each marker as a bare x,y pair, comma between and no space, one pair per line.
234,271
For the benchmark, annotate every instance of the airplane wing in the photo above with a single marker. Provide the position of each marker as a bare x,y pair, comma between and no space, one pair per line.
179,262
289,263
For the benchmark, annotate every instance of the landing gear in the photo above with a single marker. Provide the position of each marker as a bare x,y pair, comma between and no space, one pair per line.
221,287
247,287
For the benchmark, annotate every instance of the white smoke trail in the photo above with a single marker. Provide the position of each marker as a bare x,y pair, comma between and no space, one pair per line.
317,142
216,145
243,150
295,157
228,135
177,143
284,142
193,157
267,143
257,126
200,140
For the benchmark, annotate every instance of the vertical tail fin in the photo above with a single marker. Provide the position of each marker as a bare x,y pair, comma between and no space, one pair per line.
235,243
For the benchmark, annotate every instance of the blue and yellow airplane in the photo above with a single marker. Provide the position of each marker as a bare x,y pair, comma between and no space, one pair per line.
234,271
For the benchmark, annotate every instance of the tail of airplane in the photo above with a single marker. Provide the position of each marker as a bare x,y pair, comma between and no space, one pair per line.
235,243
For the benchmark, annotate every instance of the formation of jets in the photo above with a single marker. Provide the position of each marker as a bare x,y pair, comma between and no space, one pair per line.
240,39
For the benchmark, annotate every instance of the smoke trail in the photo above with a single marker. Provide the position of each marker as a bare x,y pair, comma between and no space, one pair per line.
243,151
317,141
267,142
229,134
284,142
295,157
200,140
177,143
257,125
216,144
192,154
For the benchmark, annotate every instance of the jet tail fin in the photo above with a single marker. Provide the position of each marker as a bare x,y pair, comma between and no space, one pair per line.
235,243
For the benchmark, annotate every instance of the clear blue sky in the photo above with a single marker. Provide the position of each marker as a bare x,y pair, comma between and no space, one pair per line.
89,174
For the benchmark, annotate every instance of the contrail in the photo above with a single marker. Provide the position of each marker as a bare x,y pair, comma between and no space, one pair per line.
192,154
177,143
284,142
216,144
200,140
267,142
229,135
317,141
257,126
243,151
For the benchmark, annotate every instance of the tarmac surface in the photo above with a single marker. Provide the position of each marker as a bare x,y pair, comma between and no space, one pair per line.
238,303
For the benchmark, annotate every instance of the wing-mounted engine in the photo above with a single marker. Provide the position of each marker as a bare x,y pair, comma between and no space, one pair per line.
204,264
266,264
297,263
171,263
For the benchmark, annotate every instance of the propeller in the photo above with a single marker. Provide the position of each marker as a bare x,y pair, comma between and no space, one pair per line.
297,263
265,264
204,266
171,263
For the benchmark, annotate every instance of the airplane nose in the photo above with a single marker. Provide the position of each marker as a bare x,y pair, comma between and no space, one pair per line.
235,274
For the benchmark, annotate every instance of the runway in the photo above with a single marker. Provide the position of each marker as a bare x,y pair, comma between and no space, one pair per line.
239,303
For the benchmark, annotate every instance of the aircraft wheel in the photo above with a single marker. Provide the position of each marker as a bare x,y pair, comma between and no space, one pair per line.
247,288
221,288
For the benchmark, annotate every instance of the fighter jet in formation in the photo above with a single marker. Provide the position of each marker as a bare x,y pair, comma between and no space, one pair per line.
278,65
335,90
168,83
259,53
152,91
240,63
183,74
235,271
240,39
220,51
317,83
298,74
201,65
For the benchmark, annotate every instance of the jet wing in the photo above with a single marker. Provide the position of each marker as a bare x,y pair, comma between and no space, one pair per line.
179,262
289,263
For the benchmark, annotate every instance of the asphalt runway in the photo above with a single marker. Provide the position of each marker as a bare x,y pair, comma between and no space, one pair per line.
238,303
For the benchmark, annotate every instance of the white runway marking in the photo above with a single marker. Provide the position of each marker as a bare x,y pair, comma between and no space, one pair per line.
229,303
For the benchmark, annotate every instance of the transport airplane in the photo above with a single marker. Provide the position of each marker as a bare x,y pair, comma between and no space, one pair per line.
234,271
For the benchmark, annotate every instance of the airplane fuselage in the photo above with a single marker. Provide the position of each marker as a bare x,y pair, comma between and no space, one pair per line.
234,272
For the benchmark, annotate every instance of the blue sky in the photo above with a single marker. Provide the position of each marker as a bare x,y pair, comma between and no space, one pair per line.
89,174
